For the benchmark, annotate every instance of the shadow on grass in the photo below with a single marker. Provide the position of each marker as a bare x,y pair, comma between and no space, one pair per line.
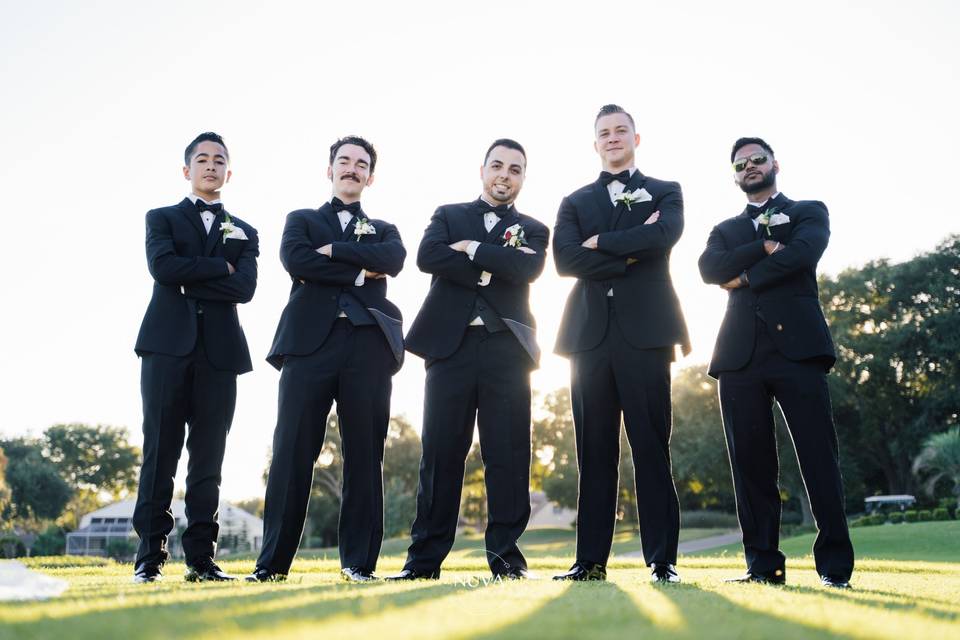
247,608
605,610
893,601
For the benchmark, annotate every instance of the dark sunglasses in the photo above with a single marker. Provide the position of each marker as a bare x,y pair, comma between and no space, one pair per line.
757,160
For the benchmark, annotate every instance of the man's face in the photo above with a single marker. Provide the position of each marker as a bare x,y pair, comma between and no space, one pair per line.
754,177
208,170
616,141
502,175
350,172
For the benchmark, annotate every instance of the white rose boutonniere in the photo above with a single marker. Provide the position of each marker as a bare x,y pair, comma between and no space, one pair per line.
231,231
514,237
633,197
363,228
770,218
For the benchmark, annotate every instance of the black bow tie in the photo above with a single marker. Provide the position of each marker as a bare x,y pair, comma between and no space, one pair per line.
202,206
500,210
338,206
754,212
606,177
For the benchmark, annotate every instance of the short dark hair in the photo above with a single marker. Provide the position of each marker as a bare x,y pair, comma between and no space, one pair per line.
509,144
206,136
607,109
742,142
360,142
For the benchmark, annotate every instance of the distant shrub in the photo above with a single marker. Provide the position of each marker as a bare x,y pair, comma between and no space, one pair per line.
896,517
878,519
52,542
121,549
11,547
708,520
950,504
910,515
941,514
924,515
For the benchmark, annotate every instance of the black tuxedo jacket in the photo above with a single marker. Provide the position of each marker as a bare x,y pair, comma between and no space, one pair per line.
782,289
189,269
318,280
647,308
439,327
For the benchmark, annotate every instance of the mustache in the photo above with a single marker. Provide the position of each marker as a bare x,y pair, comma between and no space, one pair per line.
350,176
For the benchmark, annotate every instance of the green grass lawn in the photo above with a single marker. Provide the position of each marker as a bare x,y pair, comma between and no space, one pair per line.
907,585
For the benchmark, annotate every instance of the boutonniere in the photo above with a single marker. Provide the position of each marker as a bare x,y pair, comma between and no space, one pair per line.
231,231
363,228
633,197
514,237
770,218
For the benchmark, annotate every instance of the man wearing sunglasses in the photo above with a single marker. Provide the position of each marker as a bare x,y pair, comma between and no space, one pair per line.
774,344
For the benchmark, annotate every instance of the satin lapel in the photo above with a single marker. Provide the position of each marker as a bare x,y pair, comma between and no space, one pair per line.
330,220
193,215
603,208
496,233
478,230
637,180
348,231
215,235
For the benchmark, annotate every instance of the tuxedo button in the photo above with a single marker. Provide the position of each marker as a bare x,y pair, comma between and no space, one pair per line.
779,327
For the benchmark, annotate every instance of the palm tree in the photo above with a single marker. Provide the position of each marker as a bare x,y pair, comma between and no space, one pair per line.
941,458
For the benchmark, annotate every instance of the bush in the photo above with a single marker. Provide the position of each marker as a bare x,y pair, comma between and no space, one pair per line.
11,547
878,519
708,520
950,504
924,515
896,517
910,515
121,549
941,514
52,542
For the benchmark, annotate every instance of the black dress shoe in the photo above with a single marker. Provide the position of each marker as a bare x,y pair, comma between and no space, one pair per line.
206,570
663,573
835,582
584,571
147,572
515,573
265,575
777,577
357,574
410,574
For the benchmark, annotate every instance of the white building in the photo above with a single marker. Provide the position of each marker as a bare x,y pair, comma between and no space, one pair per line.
239,530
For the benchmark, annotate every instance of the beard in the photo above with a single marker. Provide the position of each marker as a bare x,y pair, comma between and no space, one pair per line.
768,181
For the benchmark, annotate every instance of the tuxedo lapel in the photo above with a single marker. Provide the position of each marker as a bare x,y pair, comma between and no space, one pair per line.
603,208
496,233
211,239
193,215
637,180
349,231
330,219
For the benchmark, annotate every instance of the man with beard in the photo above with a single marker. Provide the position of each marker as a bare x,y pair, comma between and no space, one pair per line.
619,328
477,335
774,345
339,339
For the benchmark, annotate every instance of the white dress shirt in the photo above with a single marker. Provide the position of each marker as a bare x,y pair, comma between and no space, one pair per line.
490,220
758,205
345,218
615,188
207,216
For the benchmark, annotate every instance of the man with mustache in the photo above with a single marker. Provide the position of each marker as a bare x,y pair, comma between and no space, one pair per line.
619,328
339,339
774,345
204,263
477,336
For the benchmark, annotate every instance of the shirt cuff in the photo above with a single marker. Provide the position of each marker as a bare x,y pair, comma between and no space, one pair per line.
472,249
360,278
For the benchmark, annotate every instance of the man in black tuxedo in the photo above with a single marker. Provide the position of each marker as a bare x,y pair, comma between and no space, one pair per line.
774,344
477,336
204,262
619,328
339,339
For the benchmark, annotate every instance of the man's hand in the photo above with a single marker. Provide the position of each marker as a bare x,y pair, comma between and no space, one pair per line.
461,245
231,269
326,250
591,242
526,250
772,246
653,217
374,275
735,283
631,261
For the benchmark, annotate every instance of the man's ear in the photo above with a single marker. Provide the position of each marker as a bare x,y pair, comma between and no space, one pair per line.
186,172
370,180
229,173
330,173
776,167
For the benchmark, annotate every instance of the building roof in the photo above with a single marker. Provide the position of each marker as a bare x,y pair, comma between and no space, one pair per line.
124,509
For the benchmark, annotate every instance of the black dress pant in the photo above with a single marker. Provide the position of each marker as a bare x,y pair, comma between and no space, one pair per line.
179,391
353,367
608,381
746,400
487,382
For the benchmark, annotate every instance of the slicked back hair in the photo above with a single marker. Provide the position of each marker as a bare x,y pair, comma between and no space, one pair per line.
607,109
742,142
360,142
206,136
509,144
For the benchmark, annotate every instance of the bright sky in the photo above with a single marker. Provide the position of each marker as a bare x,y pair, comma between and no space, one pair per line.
859,100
